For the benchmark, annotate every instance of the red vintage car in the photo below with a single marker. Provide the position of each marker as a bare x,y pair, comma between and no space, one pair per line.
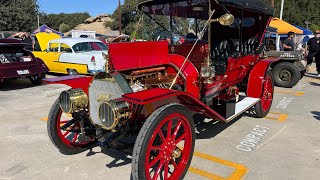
150,91
16,62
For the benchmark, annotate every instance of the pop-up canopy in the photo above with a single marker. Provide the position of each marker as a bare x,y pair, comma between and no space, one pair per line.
47,29
284,27
305,31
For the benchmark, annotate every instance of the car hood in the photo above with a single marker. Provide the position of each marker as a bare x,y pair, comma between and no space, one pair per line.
44,38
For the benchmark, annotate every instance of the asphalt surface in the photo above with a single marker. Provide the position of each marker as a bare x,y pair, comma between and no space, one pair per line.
284,145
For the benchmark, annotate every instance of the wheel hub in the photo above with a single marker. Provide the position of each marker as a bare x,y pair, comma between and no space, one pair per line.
285,75
176,153
169,150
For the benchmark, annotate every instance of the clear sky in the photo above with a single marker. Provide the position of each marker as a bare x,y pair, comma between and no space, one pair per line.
93,7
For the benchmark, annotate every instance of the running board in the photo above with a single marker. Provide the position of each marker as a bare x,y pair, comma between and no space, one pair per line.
243,106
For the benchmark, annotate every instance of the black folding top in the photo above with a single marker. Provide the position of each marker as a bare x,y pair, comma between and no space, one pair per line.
255,5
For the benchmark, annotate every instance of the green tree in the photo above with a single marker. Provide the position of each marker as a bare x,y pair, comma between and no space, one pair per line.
128,17
18,15
298,12
64,28
55,20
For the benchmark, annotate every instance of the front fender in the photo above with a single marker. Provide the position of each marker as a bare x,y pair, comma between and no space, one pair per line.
256,77
150,100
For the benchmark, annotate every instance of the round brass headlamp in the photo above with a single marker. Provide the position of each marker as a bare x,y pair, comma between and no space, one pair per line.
111,112
73,100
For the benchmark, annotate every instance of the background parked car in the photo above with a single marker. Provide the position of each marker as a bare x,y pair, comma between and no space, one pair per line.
16,62
74,55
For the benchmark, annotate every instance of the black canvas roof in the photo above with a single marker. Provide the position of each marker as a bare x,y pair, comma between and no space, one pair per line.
255,5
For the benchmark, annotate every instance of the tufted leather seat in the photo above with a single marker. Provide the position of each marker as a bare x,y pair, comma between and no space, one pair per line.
250,46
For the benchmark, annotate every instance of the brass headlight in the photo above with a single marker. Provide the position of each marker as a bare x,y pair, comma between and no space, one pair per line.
111,112
73,100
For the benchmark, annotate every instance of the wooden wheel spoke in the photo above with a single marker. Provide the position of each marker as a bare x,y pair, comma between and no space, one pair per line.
176,130
174,164
75,137
169,129
157,148
154,161
166,171
163,139
156,175
181,138
66,133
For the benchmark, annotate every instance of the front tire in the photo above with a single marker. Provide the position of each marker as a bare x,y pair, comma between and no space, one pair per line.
286,75
68,142
157,150
264,106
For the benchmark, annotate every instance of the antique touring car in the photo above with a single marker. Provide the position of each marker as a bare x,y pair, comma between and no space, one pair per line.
150,88
16,62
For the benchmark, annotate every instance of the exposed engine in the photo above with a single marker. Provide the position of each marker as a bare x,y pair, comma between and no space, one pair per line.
149,78
14,57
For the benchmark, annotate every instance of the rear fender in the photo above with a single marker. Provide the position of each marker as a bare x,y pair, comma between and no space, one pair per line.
145,102
42,65
74,82
256,77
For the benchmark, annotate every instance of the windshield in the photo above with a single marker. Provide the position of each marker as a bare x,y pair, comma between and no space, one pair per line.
89,46
176,22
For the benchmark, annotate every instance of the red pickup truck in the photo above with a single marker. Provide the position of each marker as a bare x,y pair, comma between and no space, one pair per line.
16,62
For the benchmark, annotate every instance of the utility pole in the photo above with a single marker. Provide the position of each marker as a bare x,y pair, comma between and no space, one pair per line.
278,37
120,18
281,11
38,22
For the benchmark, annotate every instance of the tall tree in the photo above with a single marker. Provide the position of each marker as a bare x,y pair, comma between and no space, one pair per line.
18,15
298,12
70,21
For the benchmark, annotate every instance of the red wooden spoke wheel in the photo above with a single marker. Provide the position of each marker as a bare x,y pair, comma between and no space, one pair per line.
68,141
71,136
266,99
167,144
264,106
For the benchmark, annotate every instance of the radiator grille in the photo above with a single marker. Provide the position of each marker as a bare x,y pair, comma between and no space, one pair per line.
101,88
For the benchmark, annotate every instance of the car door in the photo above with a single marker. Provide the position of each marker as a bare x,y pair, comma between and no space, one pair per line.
72,60
53,56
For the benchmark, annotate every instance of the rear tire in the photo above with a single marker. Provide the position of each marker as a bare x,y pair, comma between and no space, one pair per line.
264,106
286,75
73,72
64,143
37,79
156,148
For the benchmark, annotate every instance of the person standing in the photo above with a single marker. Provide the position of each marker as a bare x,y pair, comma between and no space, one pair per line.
314,51
288,44
28,41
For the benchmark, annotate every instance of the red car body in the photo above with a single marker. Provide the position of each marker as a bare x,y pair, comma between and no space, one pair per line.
25,66
151,88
